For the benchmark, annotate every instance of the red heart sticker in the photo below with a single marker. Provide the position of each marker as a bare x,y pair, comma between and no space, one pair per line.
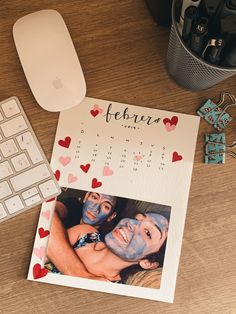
57,175
85,168
176,157
65,143
96,183
39,272
43,233
172,121
50,200
94,113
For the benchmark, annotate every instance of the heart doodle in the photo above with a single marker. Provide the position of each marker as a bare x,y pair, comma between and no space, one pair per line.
50,200
85,168
94,113
137,157
173,120
96,107
57,174
170,124
176,157
65,143
170,127
107,171
40,252
39,272
43,233
96,183
46,214
71,178
64,160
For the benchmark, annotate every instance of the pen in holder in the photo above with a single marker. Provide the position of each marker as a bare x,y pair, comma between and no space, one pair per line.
188,69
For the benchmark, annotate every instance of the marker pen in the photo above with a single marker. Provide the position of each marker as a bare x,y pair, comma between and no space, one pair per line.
185,5
230,57
190,17
199,36
214,55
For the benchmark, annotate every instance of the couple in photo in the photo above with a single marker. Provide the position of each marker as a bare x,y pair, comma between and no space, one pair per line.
78,246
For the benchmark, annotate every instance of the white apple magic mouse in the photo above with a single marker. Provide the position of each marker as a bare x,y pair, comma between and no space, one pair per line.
49,60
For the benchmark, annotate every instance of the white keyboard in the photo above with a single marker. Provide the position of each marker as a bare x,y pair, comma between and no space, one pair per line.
26,178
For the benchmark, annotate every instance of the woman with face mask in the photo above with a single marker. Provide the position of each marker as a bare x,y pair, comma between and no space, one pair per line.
134,241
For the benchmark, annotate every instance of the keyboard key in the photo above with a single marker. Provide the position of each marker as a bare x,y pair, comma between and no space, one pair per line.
33,200
30,177
48,188
14,126
3,213
5,189
29,193
14,204
8,148
20,162
5,170
10,108
1,117
26,141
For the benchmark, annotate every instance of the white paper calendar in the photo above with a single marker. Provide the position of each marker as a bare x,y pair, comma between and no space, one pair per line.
135,154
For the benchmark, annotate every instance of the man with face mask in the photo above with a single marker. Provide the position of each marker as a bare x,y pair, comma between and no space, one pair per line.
95,209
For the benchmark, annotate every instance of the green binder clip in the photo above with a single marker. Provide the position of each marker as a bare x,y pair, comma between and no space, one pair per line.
215,113
216,148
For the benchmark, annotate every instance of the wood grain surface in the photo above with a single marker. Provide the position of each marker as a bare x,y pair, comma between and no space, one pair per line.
122,52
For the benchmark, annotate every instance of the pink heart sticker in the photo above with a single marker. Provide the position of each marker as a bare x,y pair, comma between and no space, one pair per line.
137,157
46,214
170,127
64,160
176,157
96,107
39,272
40,252
107,171
71,178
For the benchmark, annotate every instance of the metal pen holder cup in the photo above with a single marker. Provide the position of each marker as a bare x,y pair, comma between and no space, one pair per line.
186,68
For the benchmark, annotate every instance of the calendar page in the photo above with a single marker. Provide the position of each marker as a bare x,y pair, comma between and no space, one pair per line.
117,227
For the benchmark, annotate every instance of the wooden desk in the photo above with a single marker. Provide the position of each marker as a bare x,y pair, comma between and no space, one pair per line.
122,52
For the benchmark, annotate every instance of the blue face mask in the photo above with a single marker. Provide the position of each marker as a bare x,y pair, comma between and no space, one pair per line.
135,250
92,213
129,239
